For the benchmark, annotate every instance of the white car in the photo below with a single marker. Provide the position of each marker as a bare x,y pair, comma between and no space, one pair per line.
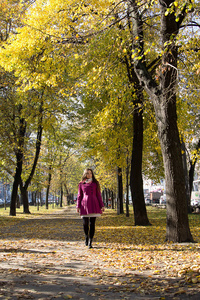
195,202
147,201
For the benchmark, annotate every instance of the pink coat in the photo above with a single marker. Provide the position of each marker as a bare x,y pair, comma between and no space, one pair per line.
89,199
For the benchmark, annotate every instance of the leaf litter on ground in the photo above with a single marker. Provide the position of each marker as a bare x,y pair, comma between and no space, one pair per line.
126,260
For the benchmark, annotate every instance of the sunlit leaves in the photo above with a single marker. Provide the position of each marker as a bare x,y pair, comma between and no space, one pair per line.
125,258
64,48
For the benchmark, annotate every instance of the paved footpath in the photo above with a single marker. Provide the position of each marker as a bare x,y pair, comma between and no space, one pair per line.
45,258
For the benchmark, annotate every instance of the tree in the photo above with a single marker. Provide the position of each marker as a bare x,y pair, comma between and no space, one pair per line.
14,123
163,96
114,86
136,180
24,187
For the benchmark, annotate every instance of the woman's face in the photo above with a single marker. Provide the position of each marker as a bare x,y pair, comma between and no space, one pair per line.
89,174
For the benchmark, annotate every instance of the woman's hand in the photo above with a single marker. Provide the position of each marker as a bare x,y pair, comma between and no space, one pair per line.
103,209
78,210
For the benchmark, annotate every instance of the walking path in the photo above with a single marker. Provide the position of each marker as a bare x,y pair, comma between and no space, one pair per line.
45,258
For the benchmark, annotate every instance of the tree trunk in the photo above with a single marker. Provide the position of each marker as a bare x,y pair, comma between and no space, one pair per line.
37,152
24,195
38,203
19,162
112,200
165,110
48,188
18,201
61,196
120,209
177,219
106,196
67,193
164,100
47,198
127,187
185,168
191,175
103,196
136,181
15,191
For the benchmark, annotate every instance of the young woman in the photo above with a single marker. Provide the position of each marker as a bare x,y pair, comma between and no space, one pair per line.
89,204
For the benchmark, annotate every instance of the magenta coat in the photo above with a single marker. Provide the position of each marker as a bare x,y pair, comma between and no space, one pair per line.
89,199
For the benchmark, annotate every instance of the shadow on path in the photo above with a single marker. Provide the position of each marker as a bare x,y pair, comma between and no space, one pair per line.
45,258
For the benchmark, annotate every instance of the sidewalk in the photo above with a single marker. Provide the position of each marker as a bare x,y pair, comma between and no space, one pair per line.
47,259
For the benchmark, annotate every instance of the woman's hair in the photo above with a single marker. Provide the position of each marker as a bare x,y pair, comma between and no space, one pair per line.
93,177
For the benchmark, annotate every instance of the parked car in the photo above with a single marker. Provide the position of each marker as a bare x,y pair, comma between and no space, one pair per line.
195,202
147,201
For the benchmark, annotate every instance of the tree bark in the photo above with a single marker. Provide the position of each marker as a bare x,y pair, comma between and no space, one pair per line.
24,187
136,181
177,218
24,196
16,182
103,196
19,161
120,208
127,187
164,100
61,196
67,193
106,196
112,200
48,188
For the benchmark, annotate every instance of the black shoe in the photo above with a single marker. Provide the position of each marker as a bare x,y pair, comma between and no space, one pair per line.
86,241
90,244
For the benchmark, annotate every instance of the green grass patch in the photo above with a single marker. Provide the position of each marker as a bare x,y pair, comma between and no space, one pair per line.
7,221
119,228
110,227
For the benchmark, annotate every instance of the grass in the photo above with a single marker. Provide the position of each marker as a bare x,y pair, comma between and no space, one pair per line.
7,221
45,241
33,209
120,229
111,227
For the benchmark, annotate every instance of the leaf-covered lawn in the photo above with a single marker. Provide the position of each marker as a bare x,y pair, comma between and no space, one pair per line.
121,229
126,260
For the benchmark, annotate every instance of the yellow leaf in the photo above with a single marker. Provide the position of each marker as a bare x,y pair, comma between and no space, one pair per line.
68,297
